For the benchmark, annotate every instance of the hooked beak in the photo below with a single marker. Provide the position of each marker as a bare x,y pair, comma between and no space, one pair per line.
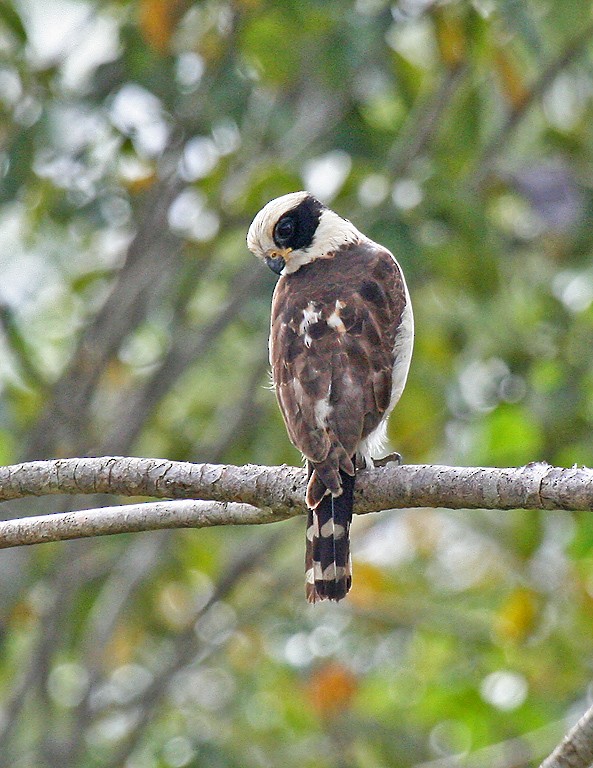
276,261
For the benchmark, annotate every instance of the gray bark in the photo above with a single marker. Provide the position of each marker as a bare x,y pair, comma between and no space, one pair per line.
252,494
576,749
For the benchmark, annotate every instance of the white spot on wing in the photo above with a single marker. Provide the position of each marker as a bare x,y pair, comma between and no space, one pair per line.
310,316
322,411
334,320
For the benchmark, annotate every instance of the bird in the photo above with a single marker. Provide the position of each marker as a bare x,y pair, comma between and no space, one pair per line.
340,346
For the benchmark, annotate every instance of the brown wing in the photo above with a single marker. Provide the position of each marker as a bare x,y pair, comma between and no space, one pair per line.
334,324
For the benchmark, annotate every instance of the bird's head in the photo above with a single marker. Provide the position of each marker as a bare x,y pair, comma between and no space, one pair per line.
295,229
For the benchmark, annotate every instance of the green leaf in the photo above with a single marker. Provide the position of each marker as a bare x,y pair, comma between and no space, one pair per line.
11,19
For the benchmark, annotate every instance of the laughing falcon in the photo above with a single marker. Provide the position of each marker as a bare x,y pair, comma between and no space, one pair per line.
341,340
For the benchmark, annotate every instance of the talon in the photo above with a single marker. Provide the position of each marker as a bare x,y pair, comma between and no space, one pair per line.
391,458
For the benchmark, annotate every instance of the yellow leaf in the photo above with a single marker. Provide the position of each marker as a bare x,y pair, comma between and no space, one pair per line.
212,46
368,583
117,375
122,647
157,20
513,87
243,647
516,617
248,5
135,186
23,615
450,36
331,689
135,174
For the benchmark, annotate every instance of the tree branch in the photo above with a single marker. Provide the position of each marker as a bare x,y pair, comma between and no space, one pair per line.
576,749
253,494
518,752
129,518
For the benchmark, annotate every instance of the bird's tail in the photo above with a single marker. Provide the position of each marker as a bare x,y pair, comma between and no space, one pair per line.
328,568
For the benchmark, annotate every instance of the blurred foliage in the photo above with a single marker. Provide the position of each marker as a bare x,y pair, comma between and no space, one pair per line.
137,141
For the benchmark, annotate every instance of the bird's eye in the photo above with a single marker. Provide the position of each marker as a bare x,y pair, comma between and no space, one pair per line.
284,229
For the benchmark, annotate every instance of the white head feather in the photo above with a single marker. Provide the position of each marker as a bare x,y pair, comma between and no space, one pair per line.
332,232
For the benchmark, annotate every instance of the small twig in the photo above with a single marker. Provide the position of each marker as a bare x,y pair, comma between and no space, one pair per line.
188,345
18,347
539,87
65,419
423,122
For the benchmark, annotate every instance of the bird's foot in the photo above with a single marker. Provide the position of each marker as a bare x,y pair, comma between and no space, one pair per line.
391,458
